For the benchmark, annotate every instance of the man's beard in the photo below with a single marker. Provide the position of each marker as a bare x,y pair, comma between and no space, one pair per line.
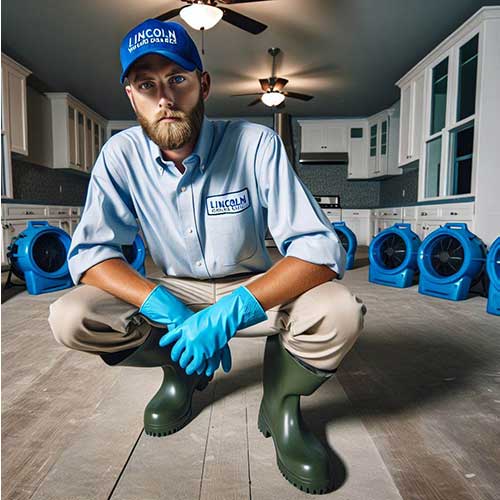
176,134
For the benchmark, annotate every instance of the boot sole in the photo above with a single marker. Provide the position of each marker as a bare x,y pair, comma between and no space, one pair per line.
299,483
166,430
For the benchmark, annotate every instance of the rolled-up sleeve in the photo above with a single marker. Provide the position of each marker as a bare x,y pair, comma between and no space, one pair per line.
298,225
107,221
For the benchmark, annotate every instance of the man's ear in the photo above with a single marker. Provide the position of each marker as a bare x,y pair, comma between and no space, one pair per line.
128,90
205,85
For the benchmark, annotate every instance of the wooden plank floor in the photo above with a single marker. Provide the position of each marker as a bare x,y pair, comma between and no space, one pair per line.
413,413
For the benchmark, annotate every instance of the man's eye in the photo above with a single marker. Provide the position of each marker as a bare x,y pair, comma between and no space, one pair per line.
146,86
177,79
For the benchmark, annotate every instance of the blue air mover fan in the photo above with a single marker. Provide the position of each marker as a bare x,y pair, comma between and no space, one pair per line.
136,254
393,256
451,259
38,256
493,270
348,240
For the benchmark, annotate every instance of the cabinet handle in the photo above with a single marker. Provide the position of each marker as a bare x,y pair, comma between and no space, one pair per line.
453,213
423,213
61,213
28,212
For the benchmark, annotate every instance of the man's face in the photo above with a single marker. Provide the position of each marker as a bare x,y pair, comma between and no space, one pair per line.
168,100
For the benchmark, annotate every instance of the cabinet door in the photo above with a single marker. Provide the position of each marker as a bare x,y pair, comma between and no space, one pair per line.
335,138
18,122
10,229
73,224
357,167
65,225
88,143
313,139
383,126
373,149
72,134
97,148
404,124
417,118
80,140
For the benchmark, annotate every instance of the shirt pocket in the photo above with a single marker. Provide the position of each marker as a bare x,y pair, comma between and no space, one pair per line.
233,236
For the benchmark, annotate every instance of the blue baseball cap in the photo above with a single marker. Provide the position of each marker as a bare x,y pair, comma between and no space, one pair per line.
168,39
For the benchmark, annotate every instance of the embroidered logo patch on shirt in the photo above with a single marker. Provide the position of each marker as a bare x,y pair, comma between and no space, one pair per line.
228,203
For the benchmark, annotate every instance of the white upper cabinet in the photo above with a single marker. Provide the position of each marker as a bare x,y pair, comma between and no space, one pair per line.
411,120
323,136
14,108
358,153
78,133
457,143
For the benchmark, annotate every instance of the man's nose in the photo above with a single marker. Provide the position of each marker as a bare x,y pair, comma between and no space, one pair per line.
166,96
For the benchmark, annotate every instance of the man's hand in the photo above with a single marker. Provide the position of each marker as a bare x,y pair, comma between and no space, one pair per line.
200,336
163,307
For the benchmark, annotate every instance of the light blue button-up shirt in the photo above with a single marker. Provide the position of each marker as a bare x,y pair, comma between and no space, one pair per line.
209,221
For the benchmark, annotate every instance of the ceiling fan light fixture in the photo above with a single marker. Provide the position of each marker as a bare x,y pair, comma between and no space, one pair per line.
201,16
273,98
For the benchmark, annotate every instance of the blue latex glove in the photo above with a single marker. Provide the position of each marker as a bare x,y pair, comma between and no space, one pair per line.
163,307
209,330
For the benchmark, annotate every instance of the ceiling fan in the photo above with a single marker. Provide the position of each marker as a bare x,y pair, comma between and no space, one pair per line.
273,94
205,14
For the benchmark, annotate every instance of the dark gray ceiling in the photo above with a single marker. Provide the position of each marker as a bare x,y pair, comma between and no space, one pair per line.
347,53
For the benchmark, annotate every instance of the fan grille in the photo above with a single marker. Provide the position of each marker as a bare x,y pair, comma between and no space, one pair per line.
49,252
392,251
343,240
446,256
129,253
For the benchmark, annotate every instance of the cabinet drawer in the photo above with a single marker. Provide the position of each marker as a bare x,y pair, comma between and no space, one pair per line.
24,212
454,212
349,212
391,213
409,213
430,212
333,214
58,212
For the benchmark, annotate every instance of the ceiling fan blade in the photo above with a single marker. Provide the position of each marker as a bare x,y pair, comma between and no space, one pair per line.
280,83
229,2
169,15
265,84
243,22
253,103
254,93
294,95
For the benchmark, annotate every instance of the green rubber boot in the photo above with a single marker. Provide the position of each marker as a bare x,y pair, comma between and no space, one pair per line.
301,458
170,409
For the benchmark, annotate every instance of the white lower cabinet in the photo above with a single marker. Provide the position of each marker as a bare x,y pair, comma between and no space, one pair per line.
15,218
424,219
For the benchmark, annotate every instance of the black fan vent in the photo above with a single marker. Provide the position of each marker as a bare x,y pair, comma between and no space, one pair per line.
447,255
49,252
343,240
129,253
392,251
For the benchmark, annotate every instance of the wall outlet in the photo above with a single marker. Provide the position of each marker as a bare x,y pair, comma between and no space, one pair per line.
60,188
403,193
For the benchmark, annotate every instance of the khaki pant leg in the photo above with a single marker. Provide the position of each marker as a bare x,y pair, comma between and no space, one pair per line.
319,327
92,320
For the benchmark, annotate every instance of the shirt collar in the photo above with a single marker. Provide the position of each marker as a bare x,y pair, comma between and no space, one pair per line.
201,150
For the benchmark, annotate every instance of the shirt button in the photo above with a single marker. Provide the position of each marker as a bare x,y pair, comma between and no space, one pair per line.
199,263
183,188
190,230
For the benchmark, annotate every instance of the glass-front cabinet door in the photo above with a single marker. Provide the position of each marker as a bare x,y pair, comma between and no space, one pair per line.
449,151
88,144
467,79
